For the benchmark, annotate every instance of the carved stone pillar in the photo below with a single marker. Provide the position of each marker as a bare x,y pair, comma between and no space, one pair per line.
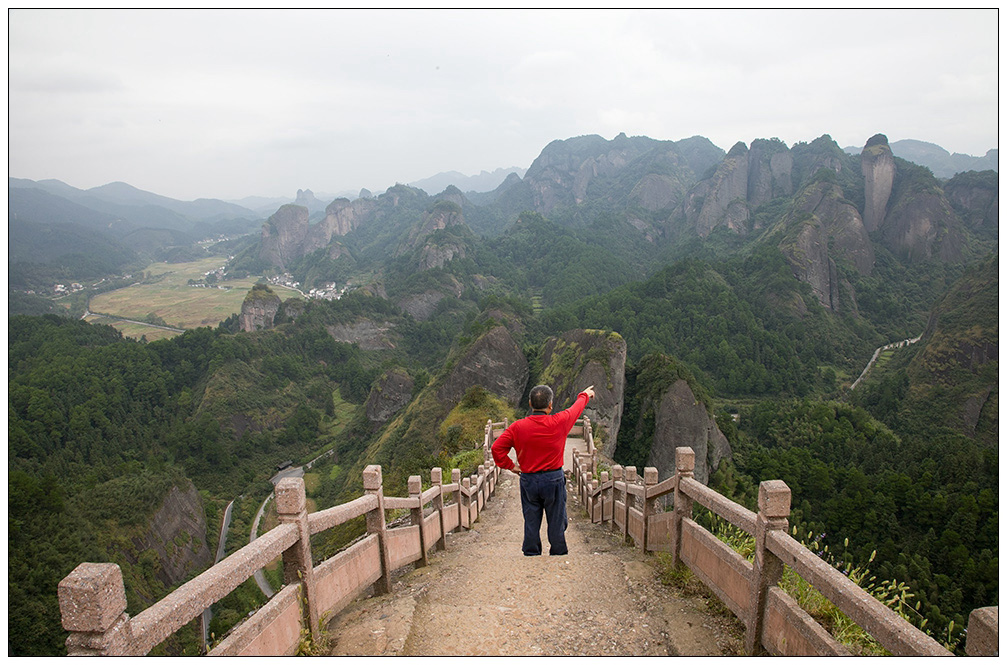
685,464
376,525
774,509
92,605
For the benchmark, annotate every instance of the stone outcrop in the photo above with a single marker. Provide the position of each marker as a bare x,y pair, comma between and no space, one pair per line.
976,199
368,335
177,533
770,167
683,421
259,309
878,167
435,250
581,358
389,394
921,225
421,306
287,236
721,200
656,192
841,222
807,252
495,362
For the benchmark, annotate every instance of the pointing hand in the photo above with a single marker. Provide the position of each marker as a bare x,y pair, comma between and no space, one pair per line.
590,392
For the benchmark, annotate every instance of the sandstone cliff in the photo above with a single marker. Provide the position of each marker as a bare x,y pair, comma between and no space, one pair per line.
721,200
680,420
259,308
921,224
283,235
495,362
436,249
177,533
976,199
367,334
770,167
581,358
806,248
878,167
389,394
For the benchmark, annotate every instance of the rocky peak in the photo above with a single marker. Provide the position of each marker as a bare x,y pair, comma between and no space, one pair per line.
878,167
581,358
721,200
495,362
680,421
283,234
259,308
389,395
770,167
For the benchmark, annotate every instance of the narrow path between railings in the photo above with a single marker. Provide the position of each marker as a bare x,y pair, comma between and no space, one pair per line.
483,597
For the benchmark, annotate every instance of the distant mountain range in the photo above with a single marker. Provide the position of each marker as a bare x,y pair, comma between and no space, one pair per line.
942,163
484,182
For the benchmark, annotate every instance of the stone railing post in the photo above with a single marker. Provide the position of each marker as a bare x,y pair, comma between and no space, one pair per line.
376,525
774,509
415,485
649,505
685,465
437,480
456,480
485,491
617,477
606,495
586,492
595,501
575,458
628,498
467,502
983,632
291,506
92,605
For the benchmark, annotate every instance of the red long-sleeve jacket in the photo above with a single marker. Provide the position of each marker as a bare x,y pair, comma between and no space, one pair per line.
539,440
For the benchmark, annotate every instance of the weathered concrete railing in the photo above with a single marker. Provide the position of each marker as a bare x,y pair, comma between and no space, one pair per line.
92,598
773,620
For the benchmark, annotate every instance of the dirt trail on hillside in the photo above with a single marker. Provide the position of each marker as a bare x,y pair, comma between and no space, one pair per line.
483,597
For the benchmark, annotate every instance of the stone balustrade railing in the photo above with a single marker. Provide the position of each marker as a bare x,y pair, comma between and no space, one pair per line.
92,597
774,622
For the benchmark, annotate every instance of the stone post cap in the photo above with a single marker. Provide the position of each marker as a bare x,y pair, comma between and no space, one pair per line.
594,484
604,476
91,597
415,484
774,499
685,459
588,475
456,475
482,470
650,475
983,632
372,477
630,474
436,476
290,496
466,482
617,472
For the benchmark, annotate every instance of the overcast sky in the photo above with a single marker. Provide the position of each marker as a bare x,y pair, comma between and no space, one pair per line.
227,104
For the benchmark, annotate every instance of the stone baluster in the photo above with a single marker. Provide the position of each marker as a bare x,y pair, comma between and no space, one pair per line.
617,477
486,483
983,632
685,463
605,496
376,525
774,509
595,502
628,499
92,605
456,480
437,480
649,504
467,503
415,485
291,506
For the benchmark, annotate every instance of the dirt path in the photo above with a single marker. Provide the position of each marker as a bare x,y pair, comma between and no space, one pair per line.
483,597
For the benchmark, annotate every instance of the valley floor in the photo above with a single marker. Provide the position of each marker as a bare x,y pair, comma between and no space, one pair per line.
482,597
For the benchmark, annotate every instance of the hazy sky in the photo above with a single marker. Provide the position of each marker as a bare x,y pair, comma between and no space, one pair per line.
226,104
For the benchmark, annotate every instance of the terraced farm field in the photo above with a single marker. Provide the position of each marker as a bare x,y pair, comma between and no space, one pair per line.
168,295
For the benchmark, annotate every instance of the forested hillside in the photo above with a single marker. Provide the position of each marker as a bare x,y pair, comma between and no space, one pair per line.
755,283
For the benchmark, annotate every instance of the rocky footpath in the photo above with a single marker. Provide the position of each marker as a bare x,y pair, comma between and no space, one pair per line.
482,597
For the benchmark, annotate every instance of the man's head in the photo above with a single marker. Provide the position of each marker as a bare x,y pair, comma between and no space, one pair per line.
540,398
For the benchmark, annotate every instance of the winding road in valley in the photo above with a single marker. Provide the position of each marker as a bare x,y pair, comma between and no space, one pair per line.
877,352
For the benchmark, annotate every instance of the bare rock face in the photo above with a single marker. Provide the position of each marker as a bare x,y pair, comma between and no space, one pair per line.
421,306
922,225
976,199
581,358
283,235
682,421
770,168
722,199
436,250
177,533
342,216
368,335
807,252
656,192
259,309
495,362
390,394
842,223
878,167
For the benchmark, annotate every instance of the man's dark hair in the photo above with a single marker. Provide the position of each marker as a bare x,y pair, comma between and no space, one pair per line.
540,397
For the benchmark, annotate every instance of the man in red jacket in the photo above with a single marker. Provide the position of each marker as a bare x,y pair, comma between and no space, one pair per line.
539,441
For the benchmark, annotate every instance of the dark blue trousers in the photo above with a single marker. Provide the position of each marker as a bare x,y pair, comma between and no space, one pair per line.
544,492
